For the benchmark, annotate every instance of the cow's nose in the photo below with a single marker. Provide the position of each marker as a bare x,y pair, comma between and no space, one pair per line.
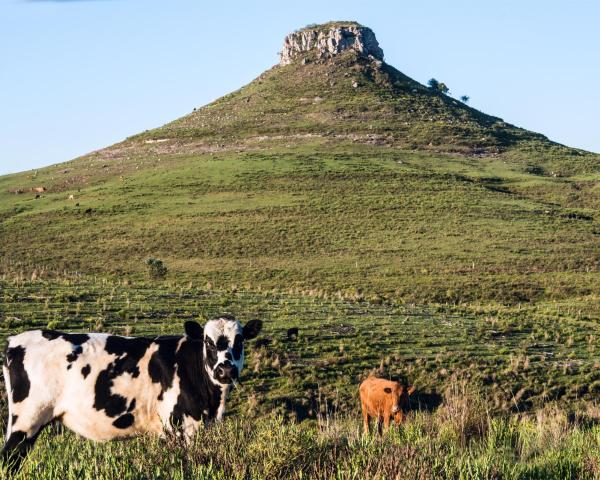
226,372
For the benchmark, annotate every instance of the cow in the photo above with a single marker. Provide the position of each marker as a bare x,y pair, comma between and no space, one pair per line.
105,387
383,399
39,189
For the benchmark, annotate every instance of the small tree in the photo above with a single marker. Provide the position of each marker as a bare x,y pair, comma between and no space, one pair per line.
442,88
438,86
465,99
433,83
156,269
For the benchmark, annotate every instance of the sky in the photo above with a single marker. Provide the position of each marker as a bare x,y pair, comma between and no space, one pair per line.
79,75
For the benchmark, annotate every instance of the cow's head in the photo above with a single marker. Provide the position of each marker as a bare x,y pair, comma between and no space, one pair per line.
223,347
400,404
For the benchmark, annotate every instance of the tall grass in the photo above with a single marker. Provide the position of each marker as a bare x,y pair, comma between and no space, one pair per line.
459,441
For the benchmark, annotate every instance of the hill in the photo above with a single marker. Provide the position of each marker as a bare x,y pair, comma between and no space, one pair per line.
331,171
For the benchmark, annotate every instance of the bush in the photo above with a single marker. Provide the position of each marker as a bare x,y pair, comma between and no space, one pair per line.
156,269
436,86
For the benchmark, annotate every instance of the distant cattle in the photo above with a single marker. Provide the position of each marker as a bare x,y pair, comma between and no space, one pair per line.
39,189
107,386
292,333
383,399
71,197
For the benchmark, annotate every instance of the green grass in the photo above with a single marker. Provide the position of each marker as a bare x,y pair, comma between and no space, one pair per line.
457,442
519,357
339,217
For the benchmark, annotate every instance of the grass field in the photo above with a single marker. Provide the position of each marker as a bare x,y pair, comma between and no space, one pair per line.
477,371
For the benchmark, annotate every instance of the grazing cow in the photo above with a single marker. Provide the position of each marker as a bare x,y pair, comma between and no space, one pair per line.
383,399
292,333
39,189
107,386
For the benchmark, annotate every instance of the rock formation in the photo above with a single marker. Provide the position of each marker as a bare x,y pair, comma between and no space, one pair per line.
329,41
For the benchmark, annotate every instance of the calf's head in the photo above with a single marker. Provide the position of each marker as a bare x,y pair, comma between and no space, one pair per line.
223,346
400,398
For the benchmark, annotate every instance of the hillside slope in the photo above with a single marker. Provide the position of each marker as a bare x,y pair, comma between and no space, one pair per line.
331,172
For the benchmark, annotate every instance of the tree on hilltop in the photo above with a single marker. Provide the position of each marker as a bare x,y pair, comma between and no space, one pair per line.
436,86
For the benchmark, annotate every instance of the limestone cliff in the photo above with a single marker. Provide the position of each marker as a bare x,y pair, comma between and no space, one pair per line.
330,40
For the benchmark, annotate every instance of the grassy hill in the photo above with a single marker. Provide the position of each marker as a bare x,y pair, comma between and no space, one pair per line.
313,213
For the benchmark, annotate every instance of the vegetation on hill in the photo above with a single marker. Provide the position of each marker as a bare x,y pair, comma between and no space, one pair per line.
319,214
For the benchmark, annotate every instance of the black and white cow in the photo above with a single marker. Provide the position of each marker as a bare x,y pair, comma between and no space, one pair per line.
106,386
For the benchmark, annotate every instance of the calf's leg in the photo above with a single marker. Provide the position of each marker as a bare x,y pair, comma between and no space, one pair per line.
365,415
386,423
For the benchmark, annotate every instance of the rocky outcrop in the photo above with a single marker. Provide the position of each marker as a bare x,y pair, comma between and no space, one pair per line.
329,41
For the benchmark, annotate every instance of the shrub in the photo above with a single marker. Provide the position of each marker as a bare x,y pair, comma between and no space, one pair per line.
436,86
156,269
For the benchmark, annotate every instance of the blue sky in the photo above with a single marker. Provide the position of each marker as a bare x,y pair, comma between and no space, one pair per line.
76,76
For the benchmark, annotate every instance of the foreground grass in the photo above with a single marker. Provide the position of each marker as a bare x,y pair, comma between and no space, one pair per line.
459,441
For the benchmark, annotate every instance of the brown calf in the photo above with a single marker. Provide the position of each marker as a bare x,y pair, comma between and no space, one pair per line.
383,399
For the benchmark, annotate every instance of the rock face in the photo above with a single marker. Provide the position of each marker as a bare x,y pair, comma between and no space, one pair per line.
330,41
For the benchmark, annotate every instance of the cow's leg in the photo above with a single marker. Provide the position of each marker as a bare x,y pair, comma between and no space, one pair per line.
365,415
16,448
386,423
25,425
190,428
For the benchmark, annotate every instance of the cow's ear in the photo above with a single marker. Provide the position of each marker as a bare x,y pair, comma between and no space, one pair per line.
252,329
411,390
387,390
193,330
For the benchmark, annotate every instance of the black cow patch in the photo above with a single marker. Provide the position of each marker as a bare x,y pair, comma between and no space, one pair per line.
197,393
124,421
74,338
238,347
129,352
112,404
211,352
161,366
71,357
19,381
222,343
85,371
14,419
17,441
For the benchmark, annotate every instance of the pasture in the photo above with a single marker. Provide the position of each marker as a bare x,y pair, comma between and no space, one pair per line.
481,366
